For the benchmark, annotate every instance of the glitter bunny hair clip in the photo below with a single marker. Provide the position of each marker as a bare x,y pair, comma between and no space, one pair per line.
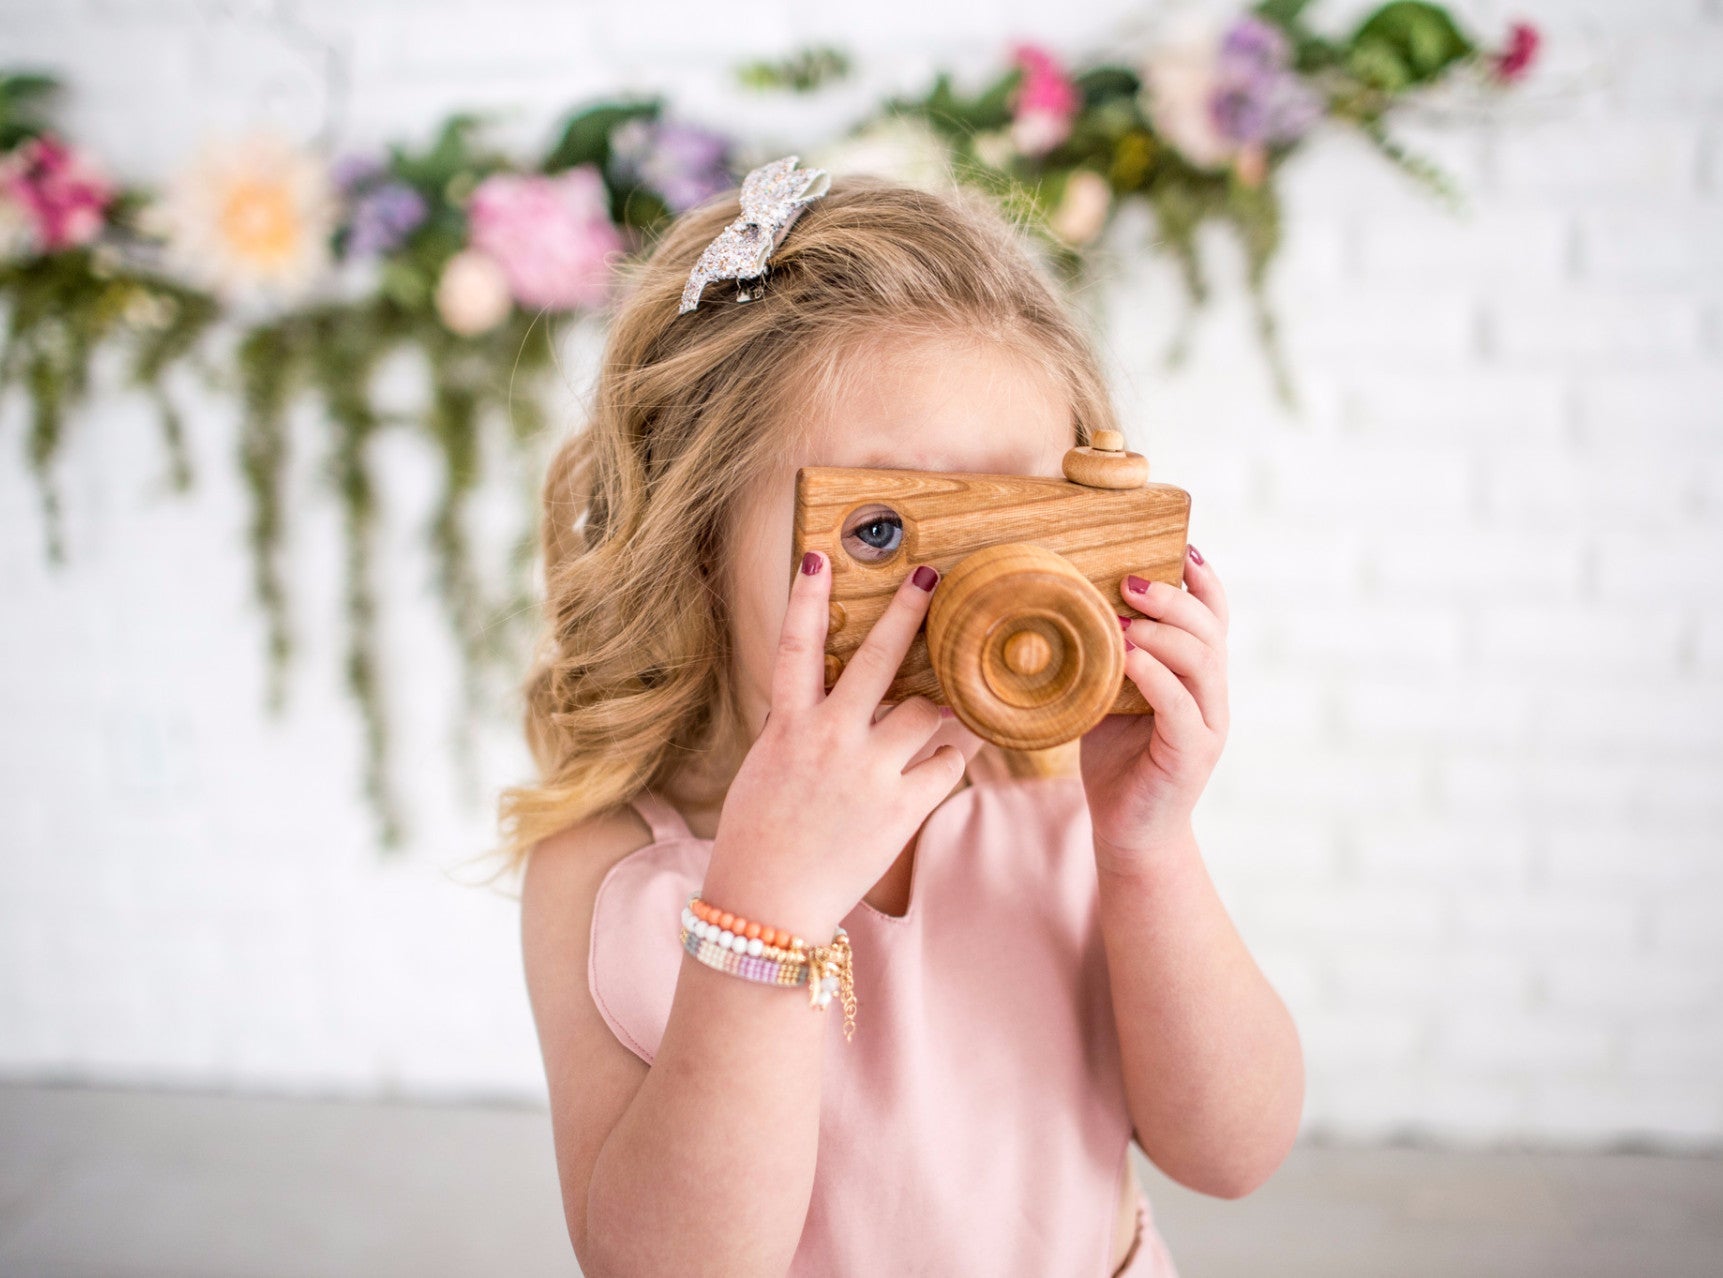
773,197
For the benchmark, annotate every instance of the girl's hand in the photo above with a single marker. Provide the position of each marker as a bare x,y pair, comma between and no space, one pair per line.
823,804
1143,773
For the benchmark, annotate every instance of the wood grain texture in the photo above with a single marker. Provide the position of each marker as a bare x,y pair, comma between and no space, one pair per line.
947,516
1025,648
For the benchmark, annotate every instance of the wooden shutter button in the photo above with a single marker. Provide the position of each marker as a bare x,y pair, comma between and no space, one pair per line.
1106,463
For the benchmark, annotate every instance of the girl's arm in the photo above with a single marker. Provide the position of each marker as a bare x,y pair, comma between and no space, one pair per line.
1214,1073
707,1166
702,1163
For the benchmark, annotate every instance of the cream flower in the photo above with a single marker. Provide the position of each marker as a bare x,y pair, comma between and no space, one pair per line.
902,147
1083,208
17,234
1179,81
472,293
251,215
995,148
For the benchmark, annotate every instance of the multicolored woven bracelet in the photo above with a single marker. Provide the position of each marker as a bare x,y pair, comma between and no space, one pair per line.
771,956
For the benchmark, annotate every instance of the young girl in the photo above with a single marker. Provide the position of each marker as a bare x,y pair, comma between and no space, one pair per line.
1042,970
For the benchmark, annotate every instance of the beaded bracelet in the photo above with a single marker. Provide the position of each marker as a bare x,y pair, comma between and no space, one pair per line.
771,956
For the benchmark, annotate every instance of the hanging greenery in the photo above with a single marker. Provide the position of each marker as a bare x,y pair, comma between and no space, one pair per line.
318,270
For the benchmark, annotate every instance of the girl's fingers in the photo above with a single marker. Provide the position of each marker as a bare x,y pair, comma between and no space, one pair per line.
1201,581
932,779
1176,607
875,663
907,726
1176,715
1199,666
799,672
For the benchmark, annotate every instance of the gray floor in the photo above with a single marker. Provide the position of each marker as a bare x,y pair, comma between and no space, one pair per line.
117,1184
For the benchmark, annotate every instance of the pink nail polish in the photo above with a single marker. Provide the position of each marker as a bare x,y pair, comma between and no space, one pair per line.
1195,557
1137,584
811,562
926,576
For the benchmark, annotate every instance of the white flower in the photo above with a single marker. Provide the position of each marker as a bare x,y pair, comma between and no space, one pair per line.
1083,208
1038,132
472,293
994,148
250,215
1179,79
902,147
17,234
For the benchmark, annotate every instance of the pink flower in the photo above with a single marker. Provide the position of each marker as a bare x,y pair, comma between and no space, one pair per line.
60,191
1515,59
552,236
1045,102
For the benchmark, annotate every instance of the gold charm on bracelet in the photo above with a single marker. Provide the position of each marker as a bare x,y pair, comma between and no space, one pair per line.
829,972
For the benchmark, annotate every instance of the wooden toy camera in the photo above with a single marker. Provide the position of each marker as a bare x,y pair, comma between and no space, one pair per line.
1022,638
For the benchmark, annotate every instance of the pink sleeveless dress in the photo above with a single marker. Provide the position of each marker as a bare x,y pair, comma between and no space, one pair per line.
976,1123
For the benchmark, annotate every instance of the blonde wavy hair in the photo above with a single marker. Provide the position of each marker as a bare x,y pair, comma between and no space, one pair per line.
631,681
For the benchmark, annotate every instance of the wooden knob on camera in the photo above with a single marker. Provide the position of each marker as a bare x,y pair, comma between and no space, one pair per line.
1026,650
1028,653
1106,463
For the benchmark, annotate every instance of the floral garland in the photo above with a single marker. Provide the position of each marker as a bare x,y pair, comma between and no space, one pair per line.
321,268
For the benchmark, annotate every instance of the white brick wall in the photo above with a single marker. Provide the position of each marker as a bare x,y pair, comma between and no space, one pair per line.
1471,815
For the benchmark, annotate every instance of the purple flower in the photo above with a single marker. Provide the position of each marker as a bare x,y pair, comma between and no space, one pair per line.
1258,99
352,171
383,216
1252,40
684,164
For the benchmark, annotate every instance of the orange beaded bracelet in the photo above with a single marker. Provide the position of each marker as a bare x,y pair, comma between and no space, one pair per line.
735,923
772,956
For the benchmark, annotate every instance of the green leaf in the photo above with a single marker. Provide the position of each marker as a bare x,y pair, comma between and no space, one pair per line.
956,116
1101,84
801,72
1416,167
408,288
1283,13
1379,66
25,99
450,154
585,135
991,109
1407,42
638,207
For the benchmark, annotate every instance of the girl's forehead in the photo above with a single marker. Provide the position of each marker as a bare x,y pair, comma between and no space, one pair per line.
979,409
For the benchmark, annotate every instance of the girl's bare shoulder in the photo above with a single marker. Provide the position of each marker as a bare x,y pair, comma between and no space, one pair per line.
562,875
559,887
